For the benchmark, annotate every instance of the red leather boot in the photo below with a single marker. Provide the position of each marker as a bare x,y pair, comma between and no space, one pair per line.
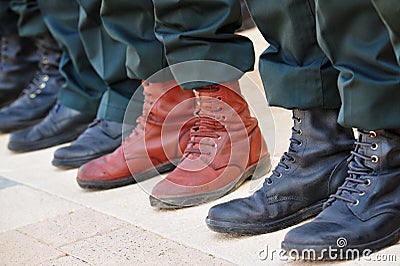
225,148
161,134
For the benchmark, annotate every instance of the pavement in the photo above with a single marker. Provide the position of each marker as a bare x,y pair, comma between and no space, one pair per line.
46,219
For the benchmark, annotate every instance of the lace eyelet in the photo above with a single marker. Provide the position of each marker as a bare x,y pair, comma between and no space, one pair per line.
372,134
32,96
374,159
374,146
299,120
300,144
361,193
219,138
368,183
269,182
219,98
287,169
292,160
279,175
356,203
300,132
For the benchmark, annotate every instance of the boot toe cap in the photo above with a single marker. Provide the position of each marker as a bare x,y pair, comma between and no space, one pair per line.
315,233
227,211
72,152
18,140
92,170
103,169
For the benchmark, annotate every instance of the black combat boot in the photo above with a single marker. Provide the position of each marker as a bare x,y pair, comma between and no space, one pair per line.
100,138
311,170
18,64
61,125
364,214
41,94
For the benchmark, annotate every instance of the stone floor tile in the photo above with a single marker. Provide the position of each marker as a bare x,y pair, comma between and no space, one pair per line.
65,261
19,249
71,227
5,183
134,246
21,205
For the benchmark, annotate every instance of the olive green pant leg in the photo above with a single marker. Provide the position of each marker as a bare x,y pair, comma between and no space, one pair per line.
108,58
295,71
389,11
8,19
132,23
30,21
203,30
84,88
369,79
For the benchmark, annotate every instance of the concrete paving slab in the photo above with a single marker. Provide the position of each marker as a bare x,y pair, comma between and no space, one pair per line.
5,183
21,205
65,261
134,246
71,227
19,249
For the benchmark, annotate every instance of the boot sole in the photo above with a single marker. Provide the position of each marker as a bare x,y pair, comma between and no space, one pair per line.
264,165
376,245
229,227
20,126
75,162
45,143
129,180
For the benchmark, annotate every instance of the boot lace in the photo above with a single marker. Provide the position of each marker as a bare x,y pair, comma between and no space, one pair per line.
358,171
49,52
287,157
3,47
145,116
207,125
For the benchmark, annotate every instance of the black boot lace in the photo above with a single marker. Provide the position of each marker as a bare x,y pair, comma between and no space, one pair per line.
44,44
3,49
50,53
358,171
288,157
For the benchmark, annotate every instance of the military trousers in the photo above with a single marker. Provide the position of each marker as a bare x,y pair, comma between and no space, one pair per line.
389,11
322,53
93,62
21,17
